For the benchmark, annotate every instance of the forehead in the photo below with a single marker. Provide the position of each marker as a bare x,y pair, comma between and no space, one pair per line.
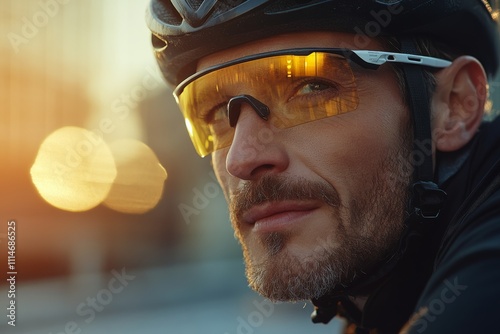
290,41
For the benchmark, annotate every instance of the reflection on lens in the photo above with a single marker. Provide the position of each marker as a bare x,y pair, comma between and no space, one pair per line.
297,88
140,177
74,169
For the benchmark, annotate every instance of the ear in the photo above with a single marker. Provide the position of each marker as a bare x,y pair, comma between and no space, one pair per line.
458,103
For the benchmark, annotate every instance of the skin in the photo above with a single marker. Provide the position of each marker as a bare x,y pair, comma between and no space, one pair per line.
318,204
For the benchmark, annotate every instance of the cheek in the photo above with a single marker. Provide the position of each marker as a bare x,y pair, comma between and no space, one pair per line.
375,130
349,150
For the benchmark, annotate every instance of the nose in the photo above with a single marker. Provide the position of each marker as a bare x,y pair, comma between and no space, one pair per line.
256,149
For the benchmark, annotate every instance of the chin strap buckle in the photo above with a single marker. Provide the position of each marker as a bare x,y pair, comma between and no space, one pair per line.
325,308
323,314
428,199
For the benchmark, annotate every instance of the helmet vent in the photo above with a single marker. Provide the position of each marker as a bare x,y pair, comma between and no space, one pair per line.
167,12
194,4
158,43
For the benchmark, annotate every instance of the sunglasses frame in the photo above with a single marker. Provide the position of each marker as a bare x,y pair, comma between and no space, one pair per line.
368,59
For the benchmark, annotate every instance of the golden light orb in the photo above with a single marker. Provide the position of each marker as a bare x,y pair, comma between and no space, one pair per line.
74,169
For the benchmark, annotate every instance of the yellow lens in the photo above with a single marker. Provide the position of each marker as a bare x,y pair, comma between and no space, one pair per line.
296,88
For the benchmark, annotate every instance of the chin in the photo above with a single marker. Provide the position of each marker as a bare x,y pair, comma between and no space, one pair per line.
285,272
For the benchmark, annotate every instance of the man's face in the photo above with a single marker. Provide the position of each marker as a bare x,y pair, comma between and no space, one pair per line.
316,204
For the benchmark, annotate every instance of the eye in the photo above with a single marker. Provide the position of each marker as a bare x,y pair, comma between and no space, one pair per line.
216,113
315,86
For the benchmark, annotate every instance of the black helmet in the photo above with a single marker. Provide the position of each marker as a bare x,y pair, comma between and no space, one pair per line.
187,30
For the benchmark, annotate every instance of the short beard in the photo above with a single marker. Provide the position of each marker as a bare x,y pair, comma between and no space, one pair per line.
282,277
368,232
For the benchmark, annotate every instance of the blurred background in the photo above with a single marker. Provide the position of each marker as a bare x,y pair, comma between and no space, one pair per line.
120,227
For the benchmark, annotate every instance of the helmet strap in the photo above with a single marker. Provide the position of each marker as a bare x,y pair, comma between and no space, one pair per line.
427,199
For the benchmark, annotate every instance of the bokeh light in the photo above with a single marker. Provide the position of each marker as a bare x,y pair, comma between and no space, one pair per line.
140,177
74,169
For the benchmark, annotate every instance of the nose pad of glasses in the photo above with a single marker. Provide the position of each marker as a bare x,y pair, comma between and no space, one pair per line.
234,108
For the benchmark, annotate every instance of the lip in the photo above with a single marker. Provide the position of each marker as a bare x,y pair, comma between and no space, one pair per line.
275,216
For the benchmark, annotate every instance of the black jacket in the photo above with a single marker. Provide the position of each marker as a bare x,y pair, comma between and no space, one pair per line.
462,294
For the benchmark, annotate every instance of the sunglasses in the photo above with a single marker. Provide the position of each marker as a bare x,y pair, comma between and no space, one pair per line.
293,86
